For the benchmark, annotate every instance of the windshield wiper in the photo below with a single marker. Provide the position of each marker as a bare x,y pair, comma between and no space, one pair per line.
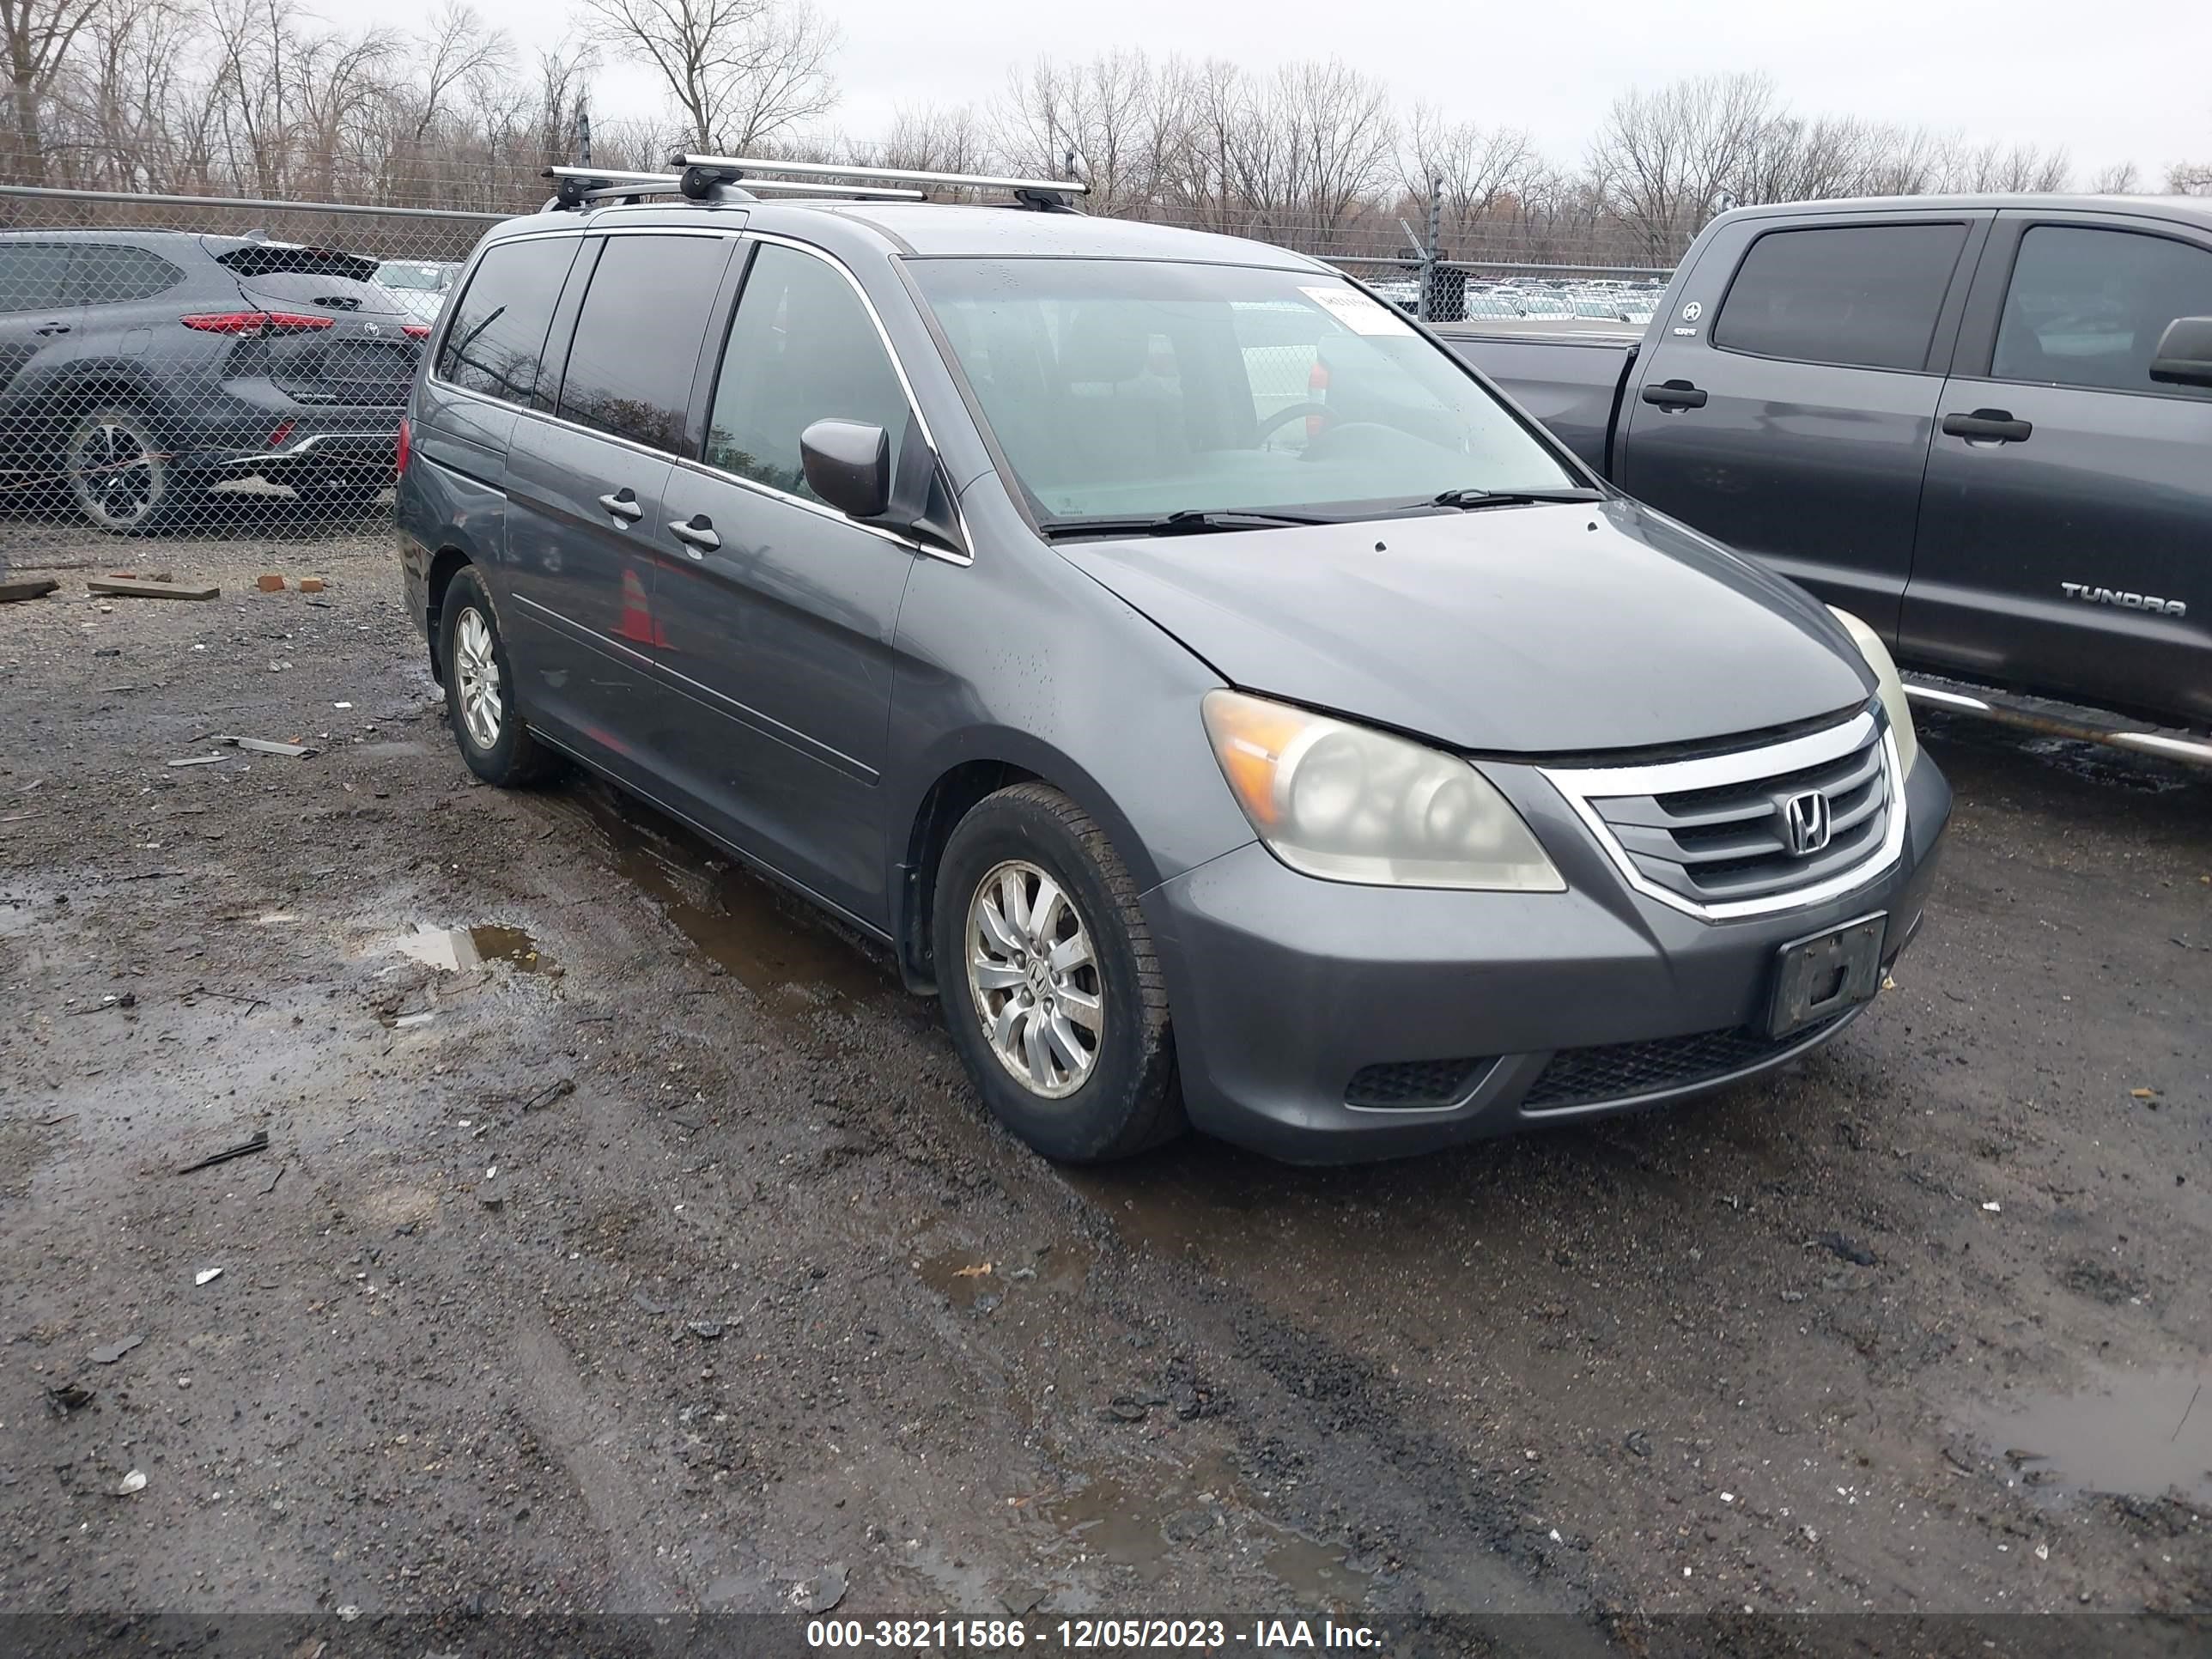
1470,498
1189,522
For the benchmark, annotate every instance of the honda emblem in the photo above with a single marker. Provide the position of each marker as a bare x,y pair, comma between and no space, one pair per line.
1806,823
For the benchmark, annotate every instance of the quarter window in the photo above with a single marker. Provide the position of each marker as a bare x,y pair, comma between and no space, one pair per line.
496,343
636,349
2087,308
32,274
802,349
102,276
1863,296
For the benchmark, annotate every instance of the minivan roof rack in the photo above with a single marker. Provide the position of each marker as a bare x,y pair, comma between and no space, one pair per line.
1044,195
576,187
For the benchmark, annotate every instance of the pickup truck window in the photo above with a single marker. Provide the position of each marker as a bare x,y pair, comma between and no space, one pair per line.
2087,308
1861,295
1146,387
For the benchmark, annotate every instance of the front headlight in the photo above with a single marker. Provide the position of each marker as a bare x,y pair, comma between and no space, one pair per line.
1348,804
1891,686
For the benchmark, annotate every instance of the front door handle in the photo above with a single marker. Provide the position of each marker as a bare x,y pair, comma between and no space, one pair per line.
696,534
51,328
624,505
1990,425
1675,394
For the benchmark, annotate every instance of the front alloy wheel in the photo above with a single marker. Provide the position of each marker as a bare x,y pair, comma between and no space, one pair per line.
1036,980
1051,990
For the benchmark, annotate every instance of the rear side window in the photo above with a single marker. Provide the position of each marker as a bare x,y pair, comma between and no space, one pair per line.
802,349
2087,308
497,339
636,349
32,274
1865,295
102,276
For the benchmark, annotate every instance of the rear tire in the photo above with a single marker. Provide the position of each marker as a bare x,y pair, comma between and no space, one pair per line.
488,726
1049,984
118,474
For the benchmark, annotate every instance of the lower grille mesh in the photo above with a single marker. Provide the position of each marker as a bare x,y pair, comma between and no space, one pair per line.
1412,1083
1621,1071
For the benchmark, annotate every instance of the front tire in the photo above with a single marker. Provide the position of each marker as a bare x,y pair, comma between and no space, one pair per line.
1049,984
488,725
119,477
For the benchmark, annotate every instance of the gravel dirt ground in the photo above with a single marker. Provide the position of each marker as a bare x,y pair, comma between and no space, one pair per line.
626,1239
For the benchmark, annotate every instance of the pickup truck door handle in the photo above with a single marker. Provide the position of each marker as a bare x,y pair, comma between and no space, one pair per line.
1987,424
624,504
696,534
1675,394
51,328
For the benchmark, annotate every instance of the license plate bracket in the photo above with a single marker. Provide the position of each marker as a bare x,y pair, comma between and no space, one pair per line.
1824,975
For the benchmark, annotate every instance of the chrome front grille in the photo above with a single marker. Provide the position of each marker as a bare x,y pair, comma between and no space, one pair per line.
1714,836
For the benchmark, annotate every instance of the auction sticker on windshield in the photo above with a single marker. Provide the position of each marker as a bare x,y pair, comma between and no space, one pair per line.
1357,312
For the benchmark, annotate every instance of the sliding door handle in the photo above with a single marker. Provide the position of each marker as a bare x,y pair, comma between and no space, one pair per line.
1988,425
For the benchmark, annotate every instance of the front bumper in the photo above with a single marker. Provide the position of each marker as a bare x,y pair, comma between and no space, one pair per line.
1285,988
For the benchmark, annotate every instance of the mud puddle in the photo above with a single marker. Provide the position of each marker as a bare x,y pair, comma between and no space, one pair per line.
793,967
457,950
963,1279
2140,1432
1140,1527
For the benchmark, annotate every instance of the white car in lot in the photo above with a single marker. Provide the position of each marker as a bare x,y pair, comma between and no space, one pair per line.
418,286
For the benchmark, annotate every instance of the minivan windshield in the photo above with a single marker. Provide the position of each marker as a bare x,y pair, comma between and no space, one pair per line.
1123,390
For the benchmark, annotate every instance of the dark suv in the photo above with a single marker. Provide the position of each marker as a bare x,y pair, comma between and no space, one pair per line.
1225,703
138,367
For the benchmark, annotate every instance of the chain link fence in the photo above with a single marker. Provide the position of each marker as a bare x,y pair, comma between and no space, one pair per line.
218,367
228,367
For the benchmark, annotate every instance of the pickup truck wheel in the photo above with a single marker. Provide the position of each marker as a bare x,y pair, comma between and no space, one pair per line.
118,475
480,691
1050,987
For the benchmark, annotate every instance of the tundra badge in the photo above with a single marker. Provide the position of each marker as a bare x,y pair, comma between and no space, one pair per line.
2149,602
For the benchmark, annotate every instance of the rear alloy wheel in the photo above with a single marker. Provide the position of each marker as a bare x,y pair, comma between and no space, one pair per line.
480,691
118,474
1051,989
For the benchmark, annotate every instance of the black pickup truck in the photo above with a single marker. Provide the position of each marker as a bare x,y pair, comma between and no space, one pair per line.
1982,423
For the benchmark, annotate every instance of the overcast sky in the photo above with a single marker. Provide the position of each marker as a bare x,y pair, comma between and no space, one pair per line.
2118,79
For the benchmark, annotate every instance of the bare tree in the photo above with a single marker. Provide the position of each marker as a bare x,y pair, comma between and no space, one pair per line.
2121,178
740,72
931,140
2189,179
560,102
1476,168
1997,166
457,50
38,35
1106,113
1664,161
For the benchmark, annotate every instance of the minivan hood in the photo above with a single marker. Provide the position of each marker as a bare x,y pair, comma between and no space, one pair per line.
1549,629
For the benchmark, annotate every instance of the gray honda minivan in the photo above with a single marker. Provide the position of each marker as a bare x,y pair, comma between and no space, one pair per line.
1228,705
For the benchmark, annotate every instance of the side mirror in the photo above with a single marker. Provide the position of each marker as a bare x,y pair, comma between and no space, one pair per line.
2184,353
848,465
